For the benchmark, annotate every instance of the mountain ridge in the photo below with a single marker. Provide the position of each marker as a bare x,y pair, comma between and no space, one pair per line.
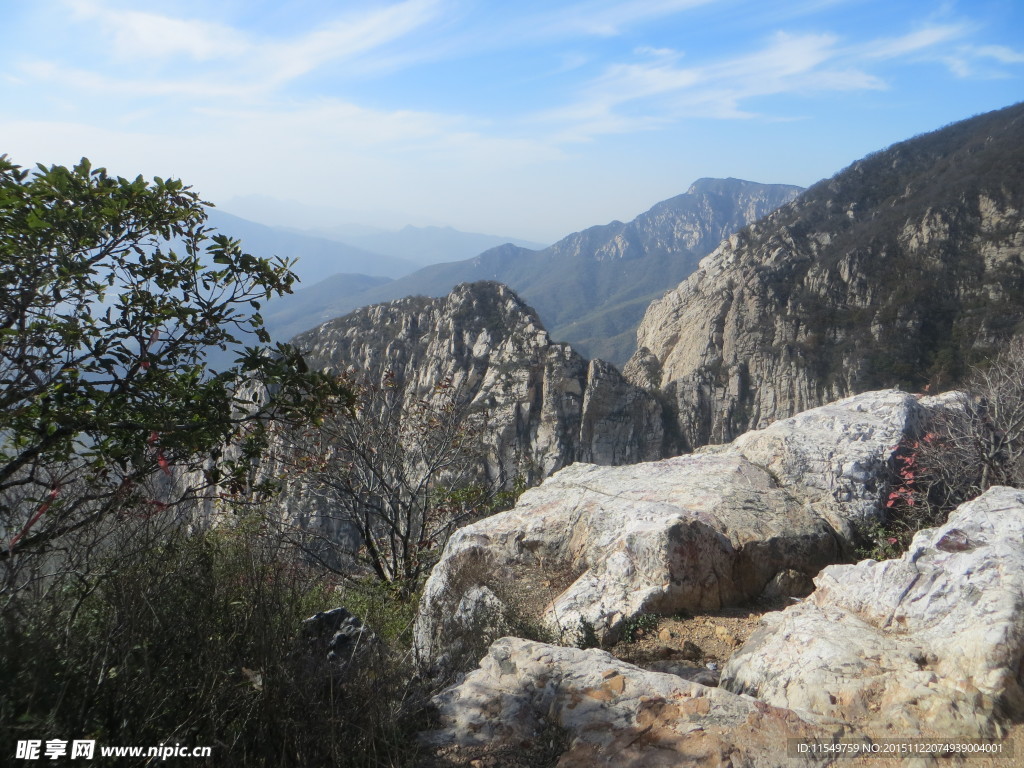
547,406
903,269
317,258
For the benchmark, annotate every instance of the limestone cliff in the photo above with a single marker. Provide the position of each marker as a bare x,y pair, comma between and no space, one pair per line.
546,406
901,270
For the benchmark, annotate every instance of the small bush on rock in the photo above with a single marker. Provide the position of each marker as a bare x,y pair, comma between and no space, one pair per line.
587,637
974,441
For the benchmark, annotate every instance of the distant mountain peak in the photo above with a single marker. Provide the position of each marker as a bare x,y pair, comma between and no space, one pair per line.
545,405
715,186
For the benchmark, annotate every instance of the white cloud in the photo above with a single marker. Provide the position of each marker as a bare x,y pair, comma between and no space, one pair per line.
912,42
94,83
236,62
607,19
981,61
1001,53
662,90
600,18
346,38
137,33
786,56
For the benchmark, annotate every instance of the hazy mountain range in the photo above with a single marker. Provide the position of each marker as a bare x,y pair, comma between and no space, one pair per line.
422,245
591,288
352,249
318,257
904,269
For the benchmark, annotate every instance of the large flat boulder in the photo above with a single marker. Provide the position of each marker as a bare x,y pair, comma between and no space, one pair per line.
929,644
691,533
592,547
593,710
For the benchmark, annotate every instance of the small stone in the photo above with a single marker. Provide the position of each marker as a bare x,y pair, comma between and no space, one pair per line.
691,651
954,541
665,635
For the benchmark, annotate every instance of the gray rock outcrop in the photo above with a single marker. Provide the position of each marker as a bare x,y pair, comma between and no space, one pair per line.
546,406
930,644
834,458
338,637
604,712
899,271
591,287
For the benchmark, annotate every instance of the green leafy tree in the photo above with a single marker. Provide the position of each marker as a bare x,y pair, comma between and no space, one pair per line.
115,293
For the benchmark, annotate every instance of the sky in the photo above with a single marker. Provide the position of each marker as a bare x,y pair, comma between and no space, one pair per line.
531,119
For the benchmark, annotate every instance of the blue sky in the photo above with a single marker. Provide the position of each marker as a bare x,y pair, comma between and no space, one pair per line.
531,119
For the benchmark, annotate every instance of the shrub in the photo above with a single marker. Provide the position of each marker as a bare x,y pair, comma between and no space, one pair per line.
973,442
194,638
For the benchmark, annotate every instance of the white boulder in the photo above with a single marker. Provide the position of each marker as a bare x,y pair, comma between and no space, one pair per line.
605,712
931,643
691,533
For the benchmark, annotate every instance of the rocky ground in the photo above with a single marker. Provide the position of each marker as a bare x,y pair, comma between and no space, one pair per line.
695,647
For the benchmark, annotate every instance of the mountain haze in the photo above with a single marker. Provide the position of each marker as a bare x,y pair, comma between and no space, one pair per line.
592,287
288,315
425,245
318,257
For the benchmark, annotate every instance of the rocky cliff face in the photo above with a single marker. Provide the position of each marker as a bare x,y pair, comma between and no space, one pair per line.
709,211
592,287
546,406
688,224
901,270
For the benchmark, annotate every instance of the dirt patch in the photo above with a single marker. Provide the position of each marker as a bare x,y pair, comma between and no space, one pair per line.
531,588
528,590
708,638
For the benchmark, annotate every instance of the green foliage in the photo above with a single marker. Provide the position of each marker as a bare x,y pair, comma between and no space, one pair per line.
587,636
882,541
636,627
115,293
383,606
